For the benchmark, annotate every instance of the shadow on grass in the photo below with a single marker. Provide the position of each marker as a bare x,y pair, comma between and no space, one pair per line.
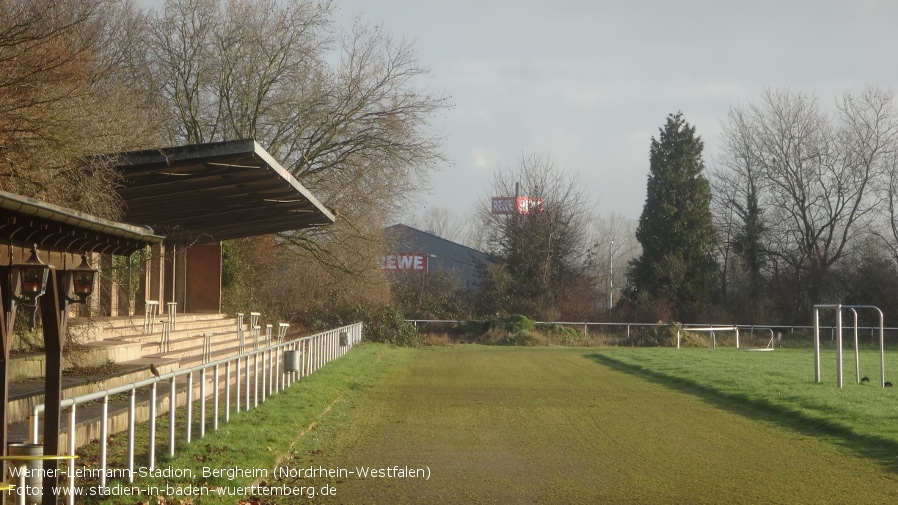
881,449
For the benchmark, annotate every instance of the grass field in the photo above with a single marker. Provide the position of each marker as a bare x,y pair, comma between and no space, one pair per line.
780,385
558,425
561,425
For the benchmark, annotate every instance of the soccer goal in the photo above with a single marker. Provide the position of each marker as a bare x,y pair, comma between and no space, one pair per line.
838,337
712,331
762,343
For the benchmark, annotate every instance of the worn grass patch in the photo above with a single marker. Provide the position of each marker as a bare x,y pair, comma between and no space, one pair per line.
479,424
553,425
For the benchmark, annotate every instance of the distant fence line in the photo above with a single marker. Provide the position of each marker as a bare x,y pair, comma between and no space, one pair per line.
585,326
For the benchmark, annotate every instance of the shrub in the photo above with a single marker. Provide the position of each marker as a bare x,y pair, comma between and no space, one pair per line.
516,324
381,324
389,326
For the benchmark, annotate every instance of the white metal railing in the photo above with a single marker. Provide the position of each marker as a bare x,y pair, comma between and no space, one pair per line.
241,335
874,330
316,351
172,308
151,308
165,341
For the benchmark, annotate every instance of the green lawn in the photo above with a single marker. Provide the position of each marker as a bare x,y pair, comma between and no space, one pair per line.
558,425
780,385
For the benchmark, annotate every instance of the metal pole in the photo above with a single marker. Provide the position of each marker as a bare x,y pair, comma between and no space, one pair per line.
277,370
839,345
882,351
203,402
816,345
131,408
104,435
189,412
227,409
172,405
266,374
610,278
857,352
152,444
217,381
237,381
246,378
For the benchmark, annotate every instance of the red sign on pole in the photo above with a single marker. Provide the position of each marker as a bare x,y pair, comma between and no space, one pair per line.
404,262
522,205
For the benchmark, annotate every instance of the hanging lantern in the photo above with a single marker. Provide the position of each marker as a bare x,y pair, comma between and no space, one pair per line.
32,277
81,281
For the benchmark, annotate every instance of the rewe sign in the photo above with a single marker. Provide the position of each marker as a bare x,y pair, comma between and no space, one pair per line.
507,205
404,262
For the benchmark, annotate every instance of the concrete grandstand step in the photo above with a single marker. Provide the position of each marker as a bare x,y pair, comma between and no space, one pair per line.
93,329
124,348
195,347
194,360
154,338
24,395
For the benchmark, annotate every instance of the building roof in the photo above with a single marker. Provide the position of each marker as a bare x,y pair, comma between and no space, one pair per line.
213,192
446,255
26,221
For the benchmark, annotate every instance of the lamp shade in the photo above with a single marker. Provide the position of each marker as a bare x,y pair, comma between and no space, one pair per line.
33,276
82,279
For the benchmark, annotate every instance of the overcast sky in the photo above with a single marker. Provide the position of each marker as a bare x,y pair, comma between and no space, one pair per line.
590,82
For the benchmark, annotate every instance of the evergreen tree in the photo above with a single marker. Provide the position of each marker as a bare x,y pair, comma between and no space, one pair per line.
675,229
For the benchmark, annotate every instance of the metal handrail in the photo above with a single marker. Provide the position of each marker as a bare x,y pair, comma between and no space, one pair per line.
151,307
317,350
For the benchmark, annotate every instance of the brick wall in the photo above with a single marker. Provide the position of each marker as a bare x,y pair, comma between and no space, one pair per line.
203,278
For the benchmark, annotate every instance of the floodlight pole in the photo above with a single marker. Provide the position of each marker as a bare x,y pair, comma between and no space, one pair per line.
610,279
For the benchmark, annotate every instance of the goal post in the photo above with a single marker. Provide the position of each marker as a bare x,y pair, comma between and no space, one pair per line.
839,308
711,329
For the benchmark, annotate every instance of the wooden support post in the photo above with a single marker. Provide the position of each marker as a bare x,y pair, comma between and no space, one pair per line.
53,316
6,326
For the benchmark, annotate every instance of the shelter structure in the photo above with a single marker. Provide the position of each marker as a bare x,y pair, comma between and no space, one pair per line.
60,235
187,200
197,196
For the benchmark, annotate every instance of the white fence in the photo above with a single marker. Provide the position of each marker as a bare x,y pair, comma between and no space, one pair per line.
251,376
628,327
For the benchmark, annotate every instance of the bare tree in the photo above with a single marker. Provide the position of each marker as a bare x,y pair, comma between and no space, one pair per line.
739,217
812,173
539,253
441,222
62,100
614,245
346,113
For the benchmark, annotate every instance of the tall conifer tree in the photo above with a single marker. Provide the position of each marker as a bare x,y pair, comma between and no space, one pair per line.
675,228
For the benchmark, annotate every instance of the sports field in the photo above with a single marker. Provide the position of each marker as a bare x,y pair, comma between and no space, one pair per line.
474,424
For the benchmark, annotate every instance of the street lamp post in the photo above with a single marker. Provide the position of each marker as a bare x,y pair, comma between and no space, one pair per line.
610,278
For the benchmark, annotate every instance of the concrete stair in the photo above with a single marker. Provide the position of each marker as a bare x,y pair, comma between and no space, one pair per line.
120,344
